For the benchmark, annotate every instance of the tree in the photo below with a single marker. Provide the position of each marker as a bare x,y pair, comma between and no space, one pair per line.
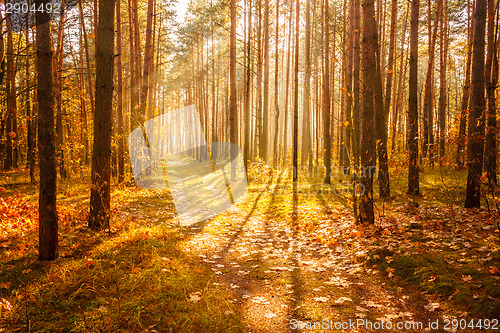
295,129
306,108
369,58
326,96
443,44
412,123
119,93
491,73
48,220
265,113
100,195
459,161
233,112
475,124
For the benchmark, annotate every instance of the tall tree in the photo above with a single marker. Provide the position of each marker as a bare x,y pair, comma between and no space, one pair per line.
491,73
233,112
459,160
147,62
382,132
100,195
306,108
476,119
119,95
265,112
295,129
370,45
11,122
443,45
58,85
428,91
326,95
47,231
412,123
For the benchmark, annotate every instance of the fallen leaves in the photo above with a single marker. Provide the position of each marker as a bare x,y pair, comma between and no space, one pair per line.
195,297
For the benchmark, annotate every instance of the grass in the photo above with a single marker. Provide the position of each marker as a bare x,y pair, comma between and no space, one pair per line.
135,277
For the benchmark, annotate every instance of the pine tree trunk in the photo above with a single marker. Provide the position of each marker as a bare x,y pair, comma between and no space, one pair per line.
100,195
491,73
306,108
119,94
412,123
476,120
47,232
461,140
233,112
326,96
295,128
370,43
442,81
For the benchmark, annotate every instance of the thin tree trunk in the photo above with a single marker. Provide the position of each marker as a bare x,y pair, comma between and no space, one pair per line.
306,108
491,74
326,95
459,161
233,112
412,123
265,113
296,96
442,81
119,94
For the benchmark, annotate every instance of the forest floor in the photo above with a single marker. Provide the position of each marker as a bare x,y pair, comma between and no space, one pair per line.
280,259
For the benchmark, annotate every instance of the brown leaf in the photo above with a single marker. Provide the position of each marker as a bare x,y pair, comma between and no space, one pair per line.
494,271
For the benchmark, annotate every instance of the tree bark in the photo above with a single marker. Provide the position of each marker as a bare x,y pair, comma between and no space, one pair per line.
412,124
477,106
100,195
119,93
326,96
491,74
461,140
370,43
296,95
47,232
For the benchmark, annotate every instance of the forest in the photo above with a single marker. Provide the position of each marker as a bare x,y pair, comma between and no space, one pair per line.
249,165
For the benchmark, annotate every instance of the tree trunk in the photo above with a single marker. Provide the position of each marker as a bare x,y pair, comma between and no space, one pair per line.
10,130
296,96
491,74
370,44
100,195
442,81
233,112
306,109
461,140
477,106
119,93
326,96
412,123
428,109
58,85
276,89
265,112
47,232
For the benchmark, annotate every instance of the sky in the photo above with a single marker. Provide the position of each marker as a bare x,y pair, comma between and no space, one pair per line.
181,8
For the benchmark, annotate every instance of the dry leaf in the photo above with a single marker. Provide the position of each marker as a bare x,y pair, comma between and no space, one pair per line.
466,278
494,271
195,297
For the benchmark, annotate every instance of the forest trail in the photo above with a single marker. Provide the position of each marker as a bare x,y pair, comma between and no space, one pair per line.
277,273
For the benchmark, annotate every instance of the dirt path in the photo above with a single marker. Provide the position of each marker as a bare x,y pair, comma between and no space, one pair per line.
282,280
